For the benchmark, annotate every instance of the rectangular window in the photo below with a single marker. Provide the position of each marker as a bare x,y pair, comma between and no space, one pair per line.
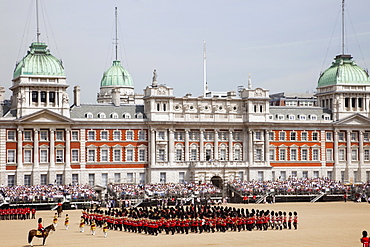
43,179
142,178
237,136
11,180
208,154
329,154
329,174
178,154
283,175
237,155
160,154
272,154
282,136
116,155
353,136
315,174
257,136
43,135
241,176
341,155
315,136
329,136
11,156
60,156
193,136
162,177
75,135
129,135
304,136
74,178
282,154
208,136
179,136
181,177
130,155
104,155
260,176
367,154
27,180
27,156
141,135
104,179
11,135
293,154
315,154
91,155
43,156
294,174
223,136
222,154
354,154
59,135
258,154
91,179
27,136
59,179
271,136
341,136
193,155
75,155
91,135
304,154
51,97
117,178
161,135
141,154
130,177
366,136
293,136
104,135
117,135
35,96
305,174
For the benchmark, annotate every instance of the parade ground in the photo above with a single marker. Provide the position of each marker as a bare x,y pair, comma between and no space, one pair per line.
320,224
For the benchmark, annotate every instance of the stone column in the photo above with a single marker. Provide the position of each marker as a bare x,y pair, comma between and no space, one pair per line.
349,157
187,145
336,168
36,161
231,156
215,155
201,145
245,146
152,148
250,147
68,149
267,148
361,174
52,148
171,146
19,149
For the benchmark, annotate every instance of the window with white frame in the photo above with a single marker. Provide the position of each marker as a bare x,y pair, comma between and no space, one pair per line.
315,154
59,135
223,136
43,179
141,135
329,174
282,136
43,155
293,136
129,135
114,115
129,155
117,178
193,136
160,135
304,154
91,155
11,156
341,136
181,177
329,136
293,154
161,153
223,154
304,136
294,174
313,117
178,154
142,178
142,155
329,154
208,154
257,135
272,154
59,155
91,135
129,177
75,135
315,174
271,136
341,154
208,136
305,174
237,136
367,154
162,177
302,117
193,154
27,135
280,117
291,117
89,115
258,154
315,136
237,154
27,180
27,156
11,135
116,155
92,179
74,178
103,135
353,136
102,115
104,155
116,135
366,136
43,135
354,155
75,156
282,153
11,180
179,136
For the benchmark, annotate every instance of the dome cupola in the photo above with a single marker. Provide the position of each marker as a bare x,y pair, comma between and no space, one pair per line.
116,76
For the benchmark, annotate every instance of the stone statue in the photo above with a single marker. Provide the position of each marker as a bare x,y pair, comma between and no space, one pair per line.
154,75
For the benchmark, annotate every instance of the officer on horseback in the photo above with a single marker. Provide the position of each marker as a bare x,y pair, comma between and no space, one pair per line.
40,227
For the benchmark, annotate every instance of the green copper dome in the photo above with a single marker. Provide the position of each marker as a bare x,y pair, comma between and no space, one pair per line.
116,76
39,61
343,71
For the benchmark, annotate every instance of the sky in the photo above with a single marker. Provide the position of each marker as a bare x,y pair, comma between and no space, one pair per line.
284,44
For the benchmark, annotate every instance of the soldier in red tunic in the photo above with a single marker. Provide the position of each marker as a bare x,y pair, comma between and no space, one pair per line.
295,221
365,240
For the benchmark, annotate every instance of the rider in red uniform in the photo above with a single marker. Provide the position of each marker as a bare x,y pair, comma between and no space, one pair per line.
40,227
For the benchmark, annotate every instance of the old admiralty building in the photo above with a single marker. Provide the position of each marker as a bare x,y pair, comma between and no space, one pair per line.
46,136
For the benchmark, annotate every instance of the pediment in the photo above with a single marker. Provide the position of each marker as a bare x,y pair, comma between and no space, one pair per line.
45,116
356,119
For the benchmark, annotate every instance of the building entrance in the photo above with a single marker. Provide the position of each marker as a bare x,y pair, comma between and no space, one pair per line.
217,181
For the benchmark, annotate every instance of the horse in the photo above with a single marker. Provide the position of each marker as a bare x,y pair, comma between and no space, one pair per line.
60,210
33,233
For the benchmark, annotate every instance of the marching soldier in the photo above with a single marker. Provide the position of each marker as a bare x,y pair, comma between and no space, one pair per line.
55,219
66,222
105,229
82,224
93,227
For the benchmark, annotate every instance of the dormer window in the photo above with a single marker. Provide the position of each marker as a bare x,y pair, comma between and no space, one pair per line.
88,115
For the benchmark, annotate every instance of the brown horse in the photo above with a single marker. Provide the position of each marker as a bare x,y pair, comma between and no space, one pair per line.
60,210
33,233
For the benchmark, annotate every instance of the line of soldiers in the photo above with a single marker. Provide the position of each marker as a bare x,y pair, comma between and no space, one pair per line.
195,219
17,213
